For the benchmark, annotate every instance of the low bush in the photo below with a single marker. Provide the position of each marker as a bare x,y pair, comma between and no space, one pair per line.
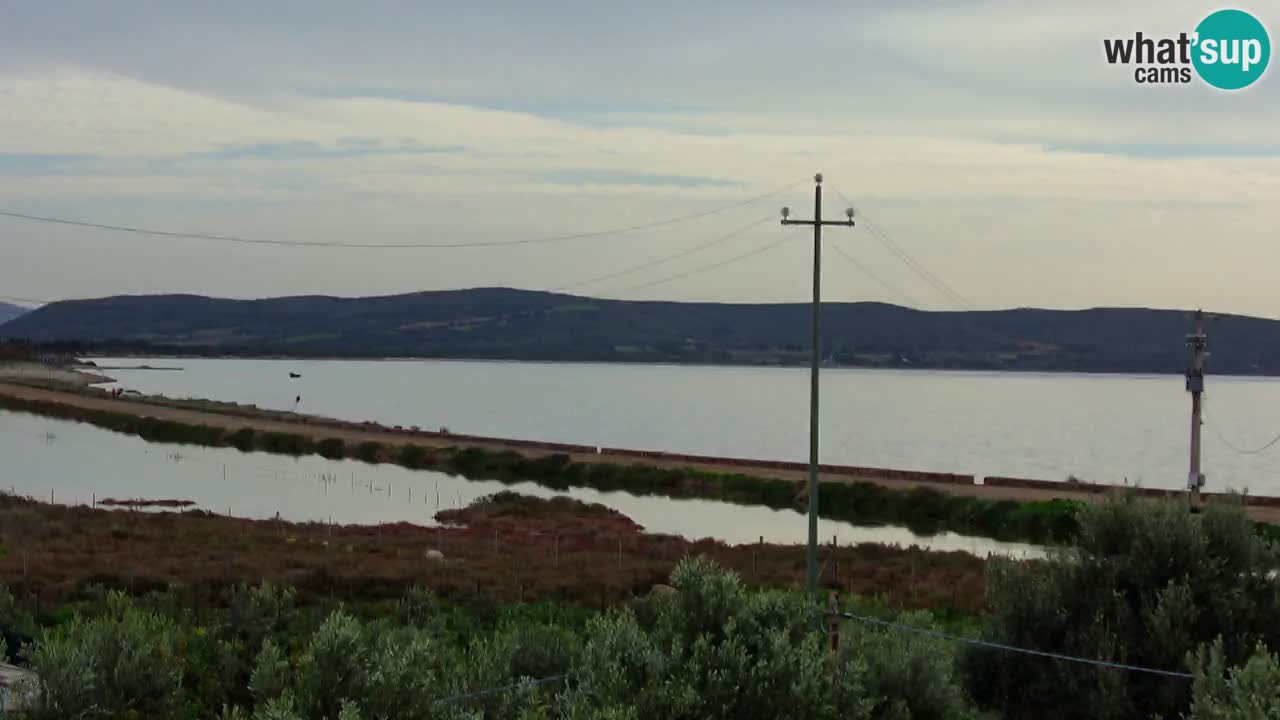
332,448
284,443
369,451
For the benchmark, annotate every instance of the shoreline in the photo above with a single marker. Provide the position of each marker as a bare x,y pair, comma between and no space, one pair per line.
1149,374
82,376
231,418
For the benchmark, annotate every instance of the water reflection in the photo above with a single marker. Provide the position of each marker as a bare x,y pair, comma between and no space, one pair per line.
80,463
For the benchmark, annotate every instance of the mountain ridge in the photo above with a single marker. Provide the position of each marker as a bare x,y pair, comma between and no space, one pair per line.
9,312
513,324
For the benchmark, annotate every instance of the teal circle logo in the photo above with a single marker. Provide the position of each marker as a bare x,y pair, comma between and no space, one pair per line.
1232,49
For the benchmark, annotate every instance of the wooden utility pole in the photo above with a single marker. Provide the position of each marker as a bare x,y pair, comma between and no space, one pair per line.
817,222
1196,344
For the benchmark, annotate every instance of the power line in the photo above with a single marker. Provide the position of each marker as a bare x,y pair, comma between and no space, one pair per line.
590,281
668,258
925,274
867,271
626,271
914,265
397,246
1238,449
645,266
1012,648
710,267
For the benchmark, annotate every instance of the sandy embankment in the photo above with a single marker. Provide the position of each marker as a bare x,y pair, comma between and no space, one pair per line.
52,373
318,428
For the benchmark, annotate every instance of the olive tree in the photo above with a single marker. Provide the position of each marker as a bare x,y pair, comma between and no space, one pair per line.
127,660
1250,691
1145,583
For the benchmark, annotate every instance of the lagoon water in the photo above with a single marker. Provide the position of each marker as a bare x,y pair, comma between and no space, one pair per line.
1099,428
73,463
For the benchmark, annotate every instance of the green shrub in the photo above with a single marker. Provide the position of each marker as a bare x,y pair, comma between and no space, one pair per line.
369,451
1145,583
543,467
124,663
413,456
242,439
332,448
1250,691
538,651
912,677
712,650
470,461
284,443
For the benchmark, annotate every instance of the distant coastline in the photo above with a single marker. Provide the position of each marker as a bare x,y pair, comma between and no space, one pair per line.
506,325
641,363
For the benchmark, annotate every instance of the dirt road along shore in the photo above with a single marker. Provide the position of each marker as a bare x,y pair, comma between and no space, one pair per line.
318,428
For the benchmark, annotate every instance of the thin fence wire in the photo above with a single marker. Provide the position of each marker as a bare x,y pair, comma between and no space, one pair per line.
1011,648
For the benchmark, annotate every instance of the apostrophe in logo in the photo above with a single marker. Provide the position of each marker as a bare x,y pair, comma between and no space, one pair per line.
1229,50
1232,49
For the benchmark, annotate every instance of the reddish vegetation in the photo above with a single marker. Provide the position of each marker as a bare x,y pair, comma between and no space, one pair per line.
520,518
525,550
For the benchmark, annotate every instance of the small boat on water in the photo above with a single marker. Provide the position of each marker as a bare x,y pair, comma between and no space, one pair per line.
294,375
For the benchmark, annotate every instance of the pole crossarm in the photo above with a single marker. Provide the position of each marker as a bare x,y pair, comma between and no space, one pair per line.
842,223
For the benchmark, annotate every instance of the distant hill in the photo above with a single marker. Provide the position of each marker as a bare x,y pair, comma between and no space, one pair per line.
9,312
526,325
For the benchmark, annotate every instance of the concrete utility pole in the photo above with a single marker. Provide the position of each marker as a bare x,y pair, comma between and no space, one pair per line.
817,222
1196,343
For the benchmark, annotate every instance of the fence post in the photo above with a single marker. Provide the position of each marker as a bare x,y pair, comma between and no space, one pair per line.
835,559
913,577
833,606
556,560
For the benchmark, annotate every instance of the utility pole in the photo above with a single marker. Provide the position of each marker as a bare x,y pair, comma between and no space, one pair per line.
817,222
1196,343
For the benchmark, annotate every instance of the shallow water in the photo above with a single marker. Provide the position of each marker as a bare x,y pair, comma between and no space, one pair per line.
73,463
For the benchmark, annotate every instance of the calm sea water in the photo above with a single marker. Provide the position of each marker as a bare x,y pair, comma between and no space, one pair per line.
1100,428
70,463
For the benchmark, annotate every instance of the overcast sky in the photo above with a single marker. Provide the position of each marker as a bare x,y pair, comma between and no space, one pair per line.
990,140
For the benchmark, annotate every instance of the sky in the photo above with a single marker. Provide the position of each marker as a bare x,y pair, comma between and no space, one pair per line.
990,141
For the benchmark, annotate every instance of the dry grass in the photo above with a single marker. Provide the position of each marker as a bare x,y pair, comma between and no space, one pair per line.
544,551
